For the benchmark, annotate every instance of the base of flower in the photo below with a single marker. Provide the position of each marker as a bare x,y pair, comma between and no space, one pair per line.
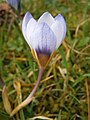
43,59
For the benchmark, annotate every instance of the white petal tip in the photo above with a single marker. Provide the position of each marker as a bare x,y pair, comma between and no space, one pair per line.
47,18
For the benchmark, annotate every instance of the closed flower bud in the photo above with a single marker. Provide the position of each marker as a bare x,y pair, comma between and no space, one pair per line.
44,36
15,4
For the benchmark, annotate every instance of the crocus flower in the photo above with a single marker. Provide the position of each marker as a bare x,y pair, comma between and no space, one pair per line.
44,36
15,4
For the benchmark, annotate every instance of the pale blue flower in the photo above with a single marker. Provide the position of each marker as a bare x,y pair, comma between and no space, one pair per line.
46,34
14,4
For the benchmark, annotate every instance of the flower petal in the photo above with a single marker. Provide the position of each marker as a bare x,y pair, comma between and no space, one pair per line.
25,21
59,29
30,28
43,39
14,3
47,18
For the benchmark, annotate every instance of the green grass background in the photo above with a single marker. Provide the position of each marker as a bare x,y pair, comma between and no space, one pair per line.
58,98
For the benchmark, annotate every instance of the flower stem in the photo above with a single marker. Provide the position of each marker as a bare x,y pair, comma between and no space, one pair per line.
30,97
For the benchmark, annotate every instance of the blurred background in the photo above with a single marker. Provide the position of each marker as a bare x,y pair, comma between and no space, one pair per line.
63,93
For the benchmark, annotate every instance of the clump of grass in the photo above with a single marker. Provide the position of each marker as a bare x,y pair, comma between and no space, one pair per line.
62,93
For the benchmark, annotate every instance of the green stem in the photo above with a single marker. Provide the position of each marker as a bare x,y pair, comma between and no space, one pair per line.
30,97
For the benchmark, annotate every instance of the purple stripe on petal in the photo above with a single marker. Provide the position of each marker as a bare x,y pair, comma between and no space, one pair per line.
43,51
43,39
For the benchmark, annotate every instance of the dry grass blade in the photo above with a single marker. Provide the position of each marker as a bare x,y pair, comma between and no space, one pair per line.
89,109
63,72
47,78
6,101
88,98
78,26
40,117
